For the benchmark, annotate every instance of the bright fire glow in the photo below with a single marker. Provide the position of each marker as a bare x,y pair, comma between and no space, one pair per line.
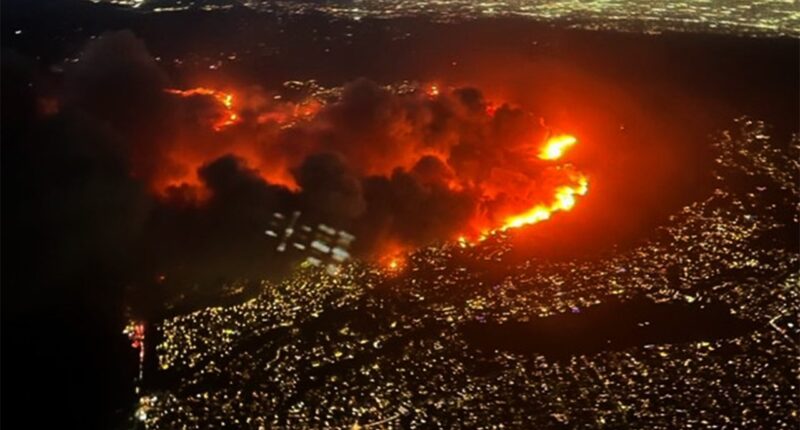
228,118
392,258
564,197
556,146
563,200
531,200
393,264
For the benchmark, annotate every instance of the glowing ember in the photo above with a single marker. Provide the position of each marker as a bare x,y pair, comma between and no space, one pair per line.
556,146
393,259
228,118
393,264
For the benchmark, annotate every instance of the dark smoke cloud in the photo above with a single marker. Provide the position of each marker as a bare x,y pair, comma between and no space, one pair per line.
139,182
376,130
118,83
406,208
223,238
330,189
431,171
73,218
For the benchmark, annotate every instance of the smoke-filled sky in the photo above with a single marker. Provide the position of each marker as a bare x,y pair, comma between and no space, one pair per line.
126,158
179,175
197,173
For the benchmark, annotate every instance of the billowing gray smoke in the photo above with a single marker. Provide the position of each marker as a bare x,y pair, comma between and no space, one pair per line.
146,182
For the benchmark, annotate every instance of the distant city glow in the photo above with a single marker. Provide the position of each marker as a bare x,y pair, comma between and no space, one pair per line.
760,17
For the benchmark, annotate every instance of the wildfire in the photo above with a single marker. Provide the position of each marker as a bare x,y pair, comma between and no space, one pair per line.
392,258
556,146
393,264
563,200
228,118
564,197
514,199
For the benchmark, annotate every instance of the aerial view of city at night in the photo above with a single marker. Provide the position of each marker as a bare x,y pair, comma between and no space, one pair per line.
369,214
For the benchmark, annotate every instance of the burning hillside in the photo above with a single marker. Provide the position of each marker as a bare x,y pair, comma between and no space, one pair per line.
373,155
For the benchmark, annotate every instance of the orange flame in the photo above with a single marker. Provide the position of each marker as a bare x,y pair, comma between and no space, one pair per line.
563,200
515,215
393,264
556,146
229,118
392,257
564,196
